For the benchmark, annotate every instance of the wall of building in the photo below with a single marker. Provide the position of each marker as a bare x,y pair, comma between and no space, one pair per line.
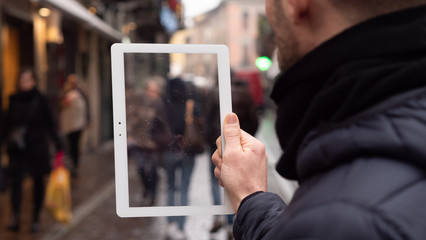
56,46
17,47
235,24
243,32
71,40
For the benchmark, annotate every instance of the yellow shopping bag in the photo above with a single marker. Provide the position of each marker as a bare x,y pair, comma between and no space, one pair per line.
58,194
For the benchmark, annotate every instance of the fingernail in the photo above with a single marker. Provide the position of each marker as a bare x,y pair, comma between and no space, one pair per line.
231,119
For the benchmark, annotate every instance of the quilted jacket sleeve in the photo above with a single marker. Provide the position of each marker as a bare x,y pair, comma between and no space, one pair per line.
257,216
262,218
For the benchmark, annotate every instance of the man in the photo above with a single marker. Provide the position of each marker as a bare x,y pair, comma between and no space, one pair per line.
351,119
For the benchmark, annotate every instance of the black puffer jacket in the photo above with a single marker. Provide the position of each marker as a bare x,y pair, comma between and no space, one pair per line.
359,144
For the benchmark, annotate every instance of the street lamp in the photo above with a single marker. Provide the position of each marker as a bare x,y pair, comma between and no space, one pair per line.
44,12
92,10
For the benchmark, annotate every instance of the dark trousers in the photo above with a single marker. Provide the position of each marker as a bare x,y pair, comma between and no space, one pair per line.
74,146
215,187
147,168
38,194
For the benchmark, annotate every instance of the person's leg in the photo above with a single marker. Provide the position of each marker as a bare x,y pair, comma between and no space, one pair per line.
74,147
170,164
216,193
171,174
214,184
187,167
16,199
137,155
38,197
231,219
152,181
148,173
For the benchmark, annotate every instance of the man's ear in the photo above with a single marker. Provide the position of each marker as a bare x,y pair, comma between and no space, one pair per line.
296,9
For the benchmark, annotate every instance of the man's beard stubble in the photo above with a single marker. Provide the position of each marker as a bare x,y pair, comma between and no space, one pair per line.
287,50
285,39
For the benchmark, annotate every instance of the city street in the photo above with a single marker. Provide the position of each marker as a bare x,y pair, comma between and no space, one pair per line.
342,84
66,40
93,196
94,214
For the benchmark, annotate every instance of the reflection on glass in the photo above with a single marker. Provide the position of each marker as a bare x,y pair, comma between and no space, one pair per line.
173,121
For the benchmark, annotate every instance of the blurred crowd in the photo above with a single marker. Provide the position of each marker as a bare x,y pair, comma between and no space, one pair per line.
170,122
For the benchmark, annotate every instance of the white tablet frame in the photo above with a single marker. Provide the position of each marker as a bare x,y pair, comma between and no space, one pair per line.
119,120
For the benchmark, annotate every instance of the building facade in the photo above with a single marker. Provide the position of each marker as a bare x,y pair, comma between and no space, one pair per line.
236,24
58,38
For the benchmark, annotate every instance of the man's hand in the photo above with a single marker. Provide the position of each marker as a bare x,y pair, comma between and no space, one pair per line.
242,168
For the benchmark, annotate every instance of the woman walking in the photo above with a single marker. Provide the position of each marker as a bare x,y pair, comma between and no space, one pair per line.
28,125
75,117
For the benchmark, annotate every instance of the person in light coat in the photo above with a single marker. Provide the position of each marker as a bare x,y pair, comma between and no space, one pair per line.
74,118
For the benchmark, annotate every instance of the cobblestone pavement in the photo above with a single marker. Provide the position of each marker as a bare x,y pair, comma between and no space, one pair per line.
93,196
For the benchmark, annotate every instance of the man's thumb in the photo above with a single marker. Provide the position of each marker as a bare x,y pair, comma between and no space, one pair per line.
232,132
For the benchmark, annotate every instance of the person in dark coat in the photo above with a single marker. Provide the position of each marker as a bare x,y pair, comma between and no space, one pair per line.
179,95
175,158
351,119
242,105
29,108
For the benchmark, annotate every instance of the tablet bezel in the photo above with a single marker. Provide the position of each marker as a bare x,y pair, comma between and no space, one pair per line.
119,120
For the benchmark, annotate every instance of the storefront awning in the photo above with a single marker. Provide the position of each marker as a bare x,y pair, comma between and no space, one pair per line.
78,11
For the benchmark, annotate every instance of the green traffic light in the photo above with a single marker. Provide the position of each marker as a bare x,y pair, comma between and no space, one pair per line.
263,63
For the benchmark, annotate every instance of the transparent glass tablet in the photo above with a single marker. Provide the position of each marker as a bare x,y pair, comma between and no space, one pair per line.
169,103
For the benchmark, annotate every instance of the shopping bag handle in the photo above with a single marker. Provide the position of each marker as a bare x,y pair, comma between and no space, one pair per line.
59,159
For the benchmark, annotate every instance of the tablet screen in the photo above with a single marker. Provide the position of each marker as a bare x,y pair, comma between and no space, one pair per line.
165,95
169,102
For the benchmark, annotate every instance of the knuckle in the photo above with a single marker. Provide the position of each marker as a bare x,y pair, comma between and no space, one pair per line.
214,157
260,148
217,173
218,154
215,161
219,142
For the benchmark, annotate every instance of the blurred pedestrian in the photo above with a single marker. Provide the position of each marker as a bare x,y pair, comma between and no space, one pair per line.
148,134
74,118
243,105
29,124
179,97
3,174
